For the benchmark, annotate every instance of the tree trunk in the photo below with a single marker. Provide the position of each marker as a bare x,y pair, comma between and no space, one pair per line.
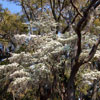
94,94
70,90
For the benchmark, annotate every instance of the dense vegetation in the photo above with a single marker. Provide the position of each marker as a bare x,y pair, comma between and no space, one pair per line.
50,51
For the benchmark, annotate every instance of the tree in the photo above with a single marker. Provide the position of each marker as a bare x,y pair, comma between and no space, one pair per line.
11,24
53,67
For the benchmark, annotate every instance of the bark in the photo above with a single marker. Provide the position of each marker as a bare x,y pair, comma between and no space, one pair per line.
22,4
70,90
94,94
71,85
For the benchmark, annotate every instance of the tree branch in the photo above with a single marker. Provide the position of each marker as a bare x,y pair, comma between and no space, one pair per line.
52,4
80,27
92,52
75,8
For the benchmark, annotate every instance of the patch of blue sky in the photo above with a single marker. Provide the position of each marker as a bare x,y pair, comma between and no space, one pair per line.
59,34
11,6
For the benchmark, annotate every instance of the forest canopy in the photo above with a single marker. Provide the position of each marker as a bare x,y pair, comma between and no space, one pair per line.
50,51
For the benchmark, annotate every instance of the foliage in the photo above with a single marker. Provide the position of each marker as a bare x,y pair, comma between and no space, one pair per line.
10,24
48,65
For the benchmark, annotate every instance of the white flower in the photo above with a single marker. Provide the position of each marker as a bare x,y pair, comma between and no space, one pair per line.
20,80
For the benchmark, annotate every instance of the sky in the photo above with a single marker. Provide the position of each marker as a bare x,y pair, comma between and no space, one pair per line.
11,6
